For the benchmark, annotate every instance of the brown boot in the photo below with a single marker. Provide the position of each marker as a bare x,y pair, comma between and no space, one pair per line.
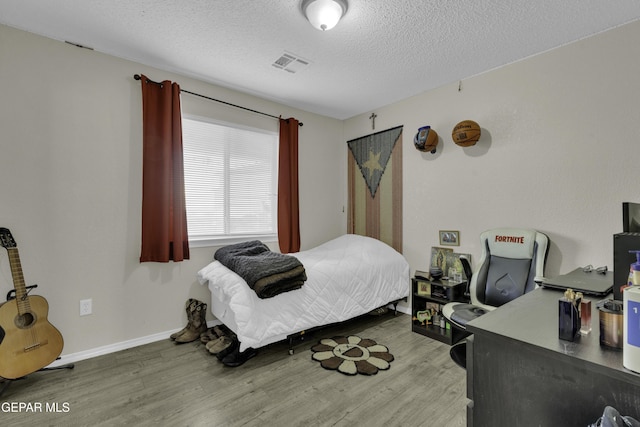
198,324
190,308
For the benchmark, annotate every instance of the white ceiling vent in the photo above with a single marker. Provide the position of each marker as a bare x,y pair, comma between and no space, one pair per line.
291,63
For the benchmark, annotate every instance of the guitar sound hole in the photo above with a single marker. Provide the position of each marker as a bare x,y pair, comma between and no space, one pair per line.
25,320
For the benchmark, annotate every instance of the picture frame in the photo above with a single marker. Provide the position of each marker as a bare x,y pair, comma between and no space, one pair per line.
424,317
453,262
449,238
423,288
433,307
439,257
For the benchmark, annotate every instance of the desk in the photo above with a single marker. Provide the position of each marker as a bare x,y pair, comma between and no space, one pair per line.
520,374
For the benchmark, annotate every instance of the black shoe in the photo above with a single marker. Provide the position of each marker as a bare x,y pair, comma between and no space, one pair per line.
235,344
237,358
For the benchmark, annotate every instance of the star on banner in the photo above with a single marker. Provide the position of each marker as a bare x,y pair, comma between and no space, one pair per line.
373,164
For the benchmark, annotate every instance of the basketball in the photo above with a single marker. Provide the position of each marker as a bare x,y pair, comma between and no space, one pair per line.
466,133
426,139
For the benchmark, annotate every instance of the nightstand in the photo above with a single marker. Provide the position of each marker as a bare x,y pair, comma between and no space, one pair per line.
428,296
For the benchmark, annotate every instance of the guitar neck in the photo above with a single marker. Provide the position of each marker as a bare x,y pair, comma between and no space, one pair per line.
18,281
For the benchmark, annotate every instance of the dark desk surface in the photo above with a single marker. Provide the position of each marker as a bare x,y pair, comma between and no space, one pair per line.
533,319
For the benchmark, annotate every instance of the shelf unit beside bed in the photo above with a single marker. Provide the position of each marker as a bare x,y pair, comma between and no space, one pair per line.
443,293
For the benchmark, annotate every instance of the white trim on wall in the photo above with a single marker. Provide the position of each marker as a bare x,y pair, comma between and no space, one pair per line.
112,348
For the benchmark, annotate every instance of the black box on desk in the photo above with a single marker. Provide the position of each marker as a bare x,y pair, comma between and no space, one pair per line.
622,259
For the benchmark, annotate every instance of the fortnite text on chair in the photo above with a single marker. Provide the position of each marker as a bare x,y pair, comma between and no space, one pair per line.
511,264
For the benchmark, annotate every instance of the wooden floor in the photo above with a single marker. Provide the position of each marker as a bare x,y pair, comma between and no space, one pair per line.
182,385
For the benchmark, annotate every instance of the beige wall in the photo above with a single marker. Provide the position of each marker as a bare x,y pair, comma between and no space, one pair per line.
70,187
559,152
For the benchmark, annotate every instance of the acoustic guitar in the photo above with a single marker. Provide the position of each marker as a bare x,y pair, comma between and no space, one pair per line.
28,342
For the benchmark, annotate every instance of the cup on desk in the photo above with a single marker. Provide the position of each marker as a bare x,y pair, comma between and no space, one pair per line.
611,324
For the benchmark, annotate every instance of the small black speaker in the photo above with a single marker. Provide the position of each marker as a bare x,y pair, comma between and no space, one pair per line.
622,259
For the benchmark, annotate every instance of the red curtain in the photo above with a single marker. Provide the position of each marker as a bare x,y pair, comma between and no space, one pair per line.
288,203
164,218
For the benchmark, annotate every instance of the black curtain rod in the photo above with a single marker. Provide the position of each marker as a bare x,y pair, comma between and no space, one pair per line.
138,77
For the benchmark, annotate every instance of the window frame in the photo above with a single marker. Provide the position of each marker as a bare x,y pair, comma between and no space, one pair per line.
208,241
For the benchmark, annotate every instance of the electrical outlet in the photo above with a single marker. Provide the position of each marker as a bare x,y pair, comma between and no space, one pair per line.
85,307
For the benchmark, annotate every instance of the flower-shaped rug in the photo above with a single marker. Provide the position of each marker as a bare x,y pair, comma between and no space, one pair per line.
352,355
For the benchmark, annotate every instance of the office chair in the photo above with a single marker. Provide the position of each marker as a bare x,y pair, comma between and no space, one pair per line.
511,264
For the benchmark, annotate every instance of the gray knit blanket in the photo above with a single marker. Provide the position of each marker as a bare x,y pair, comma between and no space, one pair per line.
267,273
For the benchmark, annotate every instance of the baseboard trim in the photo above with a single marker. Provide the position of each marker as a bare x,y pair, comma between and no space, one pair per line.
404,309
112,348
65,359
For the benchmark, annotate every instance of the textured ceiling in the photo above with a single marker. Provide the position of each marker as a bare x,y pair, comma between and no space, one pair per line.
381,52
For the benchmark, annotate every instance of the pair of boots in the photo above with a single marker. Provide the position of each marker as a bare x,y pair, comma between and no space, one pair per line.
224,344
217,339
196,322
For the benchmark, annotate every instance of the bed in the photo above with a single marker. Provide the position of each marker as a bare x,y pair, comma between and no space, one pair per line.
346,277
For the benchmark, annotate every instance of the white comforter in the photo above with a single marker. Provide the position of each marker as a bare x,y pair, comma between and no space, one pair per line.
346,277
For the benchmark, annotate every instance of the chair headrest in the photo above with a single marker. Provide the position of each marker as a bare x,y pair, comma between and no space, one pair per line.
510,242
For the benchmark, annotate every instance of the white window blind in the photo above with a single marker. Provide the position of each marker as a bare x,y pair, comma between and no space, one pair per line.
230,181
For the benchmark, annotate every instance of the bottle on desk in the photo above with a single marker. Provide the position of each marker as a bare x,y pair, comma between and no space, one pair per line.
631,329
569,316
585,315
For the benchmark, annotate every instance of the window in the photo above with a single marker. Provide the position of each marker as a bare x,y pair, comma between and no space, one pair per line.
230,177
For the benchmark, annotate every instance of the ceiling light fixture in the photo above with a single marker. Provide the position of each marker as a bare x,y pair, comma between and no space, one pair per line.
324,14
